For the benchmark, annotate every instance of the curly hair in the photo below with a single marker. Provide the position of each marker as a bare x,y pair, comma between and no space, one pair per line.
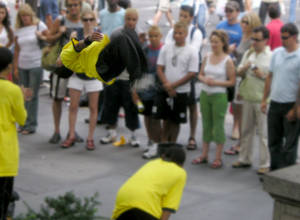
222,35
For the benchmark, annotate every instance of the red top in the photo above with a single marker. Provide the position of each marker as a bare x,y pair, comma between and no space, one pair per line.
274,28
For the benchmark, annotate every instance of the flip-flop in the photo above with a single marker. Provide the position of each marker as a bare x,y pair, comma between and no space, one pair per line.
231,151
217,164
27,132
199,160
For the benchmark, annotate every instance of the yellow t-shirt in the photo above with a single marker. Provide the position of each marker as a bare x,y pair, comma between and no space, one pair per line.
12,110
158,184
84,61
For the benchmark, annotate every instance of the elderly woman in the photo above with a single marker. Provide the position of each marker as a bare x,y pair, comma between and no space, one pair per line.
27,65
217,73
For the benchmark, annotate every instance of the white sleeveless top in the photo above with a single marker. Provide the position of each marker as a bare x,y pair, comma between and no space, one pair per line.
216,72
3,37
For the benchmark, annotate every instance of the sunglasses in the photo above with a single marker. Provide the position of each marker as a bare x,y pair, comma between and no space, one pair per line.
285,37
88,19
72,5
228,10
256,39
245,22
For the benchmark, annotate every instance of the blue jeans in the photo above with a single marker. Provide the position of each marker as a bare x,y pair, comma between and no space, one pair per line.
292,16
31,78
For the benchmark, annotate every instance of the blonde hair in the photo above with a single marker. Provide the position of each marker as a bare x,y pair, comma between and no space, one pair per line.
154,28
25,9
131,11
253,20
87,11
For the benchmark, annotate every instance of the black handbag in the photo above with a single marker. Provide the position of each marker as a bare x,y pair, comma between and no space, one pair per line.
230,93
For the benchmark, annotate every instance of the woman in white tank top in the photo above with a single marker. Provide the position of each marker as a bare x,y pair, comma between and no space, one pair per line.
6,33
217,73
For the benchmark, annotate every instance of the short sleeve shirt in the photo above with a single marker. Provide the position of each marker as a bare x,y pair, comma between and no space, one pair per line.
27,41
157,185
234,32
111,21
178,61
285,69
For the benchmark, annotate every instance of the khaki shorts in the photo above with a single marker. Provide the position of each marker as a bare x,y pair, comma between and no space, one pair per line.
58,89
164,5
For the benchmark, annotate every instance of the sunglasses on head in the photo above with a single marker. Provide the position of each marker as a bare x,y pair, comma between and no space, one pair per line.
88,19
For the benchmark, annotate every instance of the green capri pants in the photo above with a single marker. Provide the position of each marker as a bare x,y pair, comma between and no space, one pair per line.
213,110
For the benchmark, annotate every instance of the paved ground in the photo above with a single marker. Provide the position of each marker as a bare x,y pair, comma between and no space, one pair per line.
48,170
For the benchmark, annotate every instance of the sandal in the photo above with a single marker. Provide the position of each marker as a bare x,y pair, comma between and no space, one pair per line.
234,150
68,143
199,160
217,164
26,132
90,145
192,145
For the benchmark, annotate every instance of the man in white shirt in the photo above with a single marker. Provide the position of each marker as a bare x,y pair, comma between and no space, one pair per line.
177,64
194,39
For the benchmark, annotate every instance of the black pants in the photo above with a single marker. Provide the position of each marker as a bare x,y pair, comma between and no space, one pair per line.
282,136
119,95
136,214
6,189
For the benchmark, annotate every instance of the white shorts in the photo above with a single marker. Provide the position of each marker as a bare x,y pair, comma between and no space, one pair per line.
164,5
84,85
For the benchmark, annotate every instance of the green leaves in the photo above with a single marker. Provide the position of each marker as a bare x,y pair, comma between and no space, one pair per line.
66,207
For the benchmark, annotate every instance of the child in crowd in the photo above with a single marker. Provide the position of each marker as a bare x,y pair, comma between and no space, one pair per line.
177,64
152,125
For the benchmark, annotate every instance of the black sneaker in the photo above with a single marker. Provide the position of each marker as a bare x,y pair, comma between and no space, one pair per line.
55,139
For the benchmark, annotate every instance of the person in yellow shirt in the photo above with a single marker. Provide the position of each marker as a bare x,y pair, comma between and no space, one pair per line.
155,190
12,111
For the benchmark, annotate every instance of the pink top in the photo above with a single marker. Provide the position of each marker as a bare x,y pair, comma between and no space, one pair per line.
274,27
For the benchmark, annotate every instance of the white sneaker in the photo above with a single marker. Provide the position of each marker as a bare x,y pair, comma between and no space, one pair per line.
134,142
150,22
151,153
109,138
148,146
